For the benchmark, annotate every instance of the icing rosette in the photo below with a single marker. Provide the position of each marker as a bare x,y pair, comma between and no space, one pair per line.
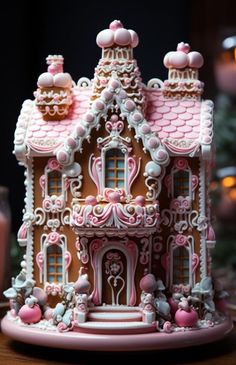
117,35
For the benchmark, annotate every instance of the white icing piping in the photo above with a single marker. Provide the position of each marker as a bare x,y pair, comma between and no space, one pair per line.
202,210
29,201
20,148
206,128
98,109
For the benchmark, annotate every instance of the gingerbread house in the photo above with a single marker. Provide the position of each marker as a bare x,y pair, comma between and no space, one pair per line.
117,224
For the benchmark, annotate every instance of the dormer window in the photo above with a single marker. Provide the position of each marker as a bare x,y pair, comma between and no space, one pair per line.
54,183
115,169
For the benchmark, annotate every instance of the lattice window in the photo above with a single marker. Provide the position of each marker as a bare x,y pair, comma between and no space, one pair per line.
54,183
115,169
181,183
54,264
180,261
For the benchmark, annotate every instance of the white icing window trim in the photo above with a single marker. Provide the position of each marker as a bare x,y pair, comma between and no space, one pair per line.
174,171
44,246
125,152
189,245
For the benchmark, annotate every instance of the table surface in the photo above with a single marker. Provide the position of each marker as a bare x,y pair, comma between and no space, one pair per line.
219,353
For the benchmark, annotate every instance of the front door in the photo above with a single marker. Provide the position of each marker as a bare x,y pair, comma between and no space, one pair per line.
114,277
114,264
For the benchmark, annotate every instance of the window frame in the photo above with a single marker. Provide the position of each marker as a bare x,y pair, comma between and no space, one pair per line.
124,151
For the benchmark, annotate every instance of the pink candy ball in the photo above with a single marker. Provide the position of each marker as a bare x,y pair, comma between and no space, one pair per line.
114,197
105,38
30,314
195,59
134,38
45,80
140,200
62,80
116,24
148,283
178,59
122,37
186,319
90,200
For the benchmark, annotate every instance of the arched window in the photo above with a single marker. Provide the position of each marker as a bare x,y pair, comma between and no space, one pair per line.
54,264
181,183
54,183
180,262
114,169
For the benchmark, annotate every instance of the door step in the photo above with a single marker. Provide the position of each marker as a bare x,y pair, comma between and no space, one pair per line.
114,308
115,327
114,316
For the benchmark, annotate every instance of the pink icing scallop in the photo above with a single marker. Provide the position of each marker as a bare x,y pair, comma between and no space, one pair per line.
166,60
122,37
134,38
178,59
195,60
105,38
62,80
45,80
140,200
116,24
90,200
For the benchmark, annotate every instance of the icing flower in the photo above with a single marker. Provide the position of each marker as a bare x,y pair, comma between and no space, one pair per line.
53,164
53,238
180,240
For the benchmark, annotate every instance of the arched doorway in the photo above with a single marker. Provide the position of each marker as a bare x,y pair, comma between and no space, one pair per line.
114,277
114,264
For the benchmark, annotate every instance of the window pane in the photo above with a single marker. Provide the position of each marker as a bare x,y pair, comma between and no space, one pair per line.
54,183
114,168
181,183
54,264
180,265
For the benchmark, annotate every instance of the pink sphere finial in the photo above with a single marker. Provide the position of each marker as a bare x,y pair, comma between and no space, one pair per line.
116,24
184,47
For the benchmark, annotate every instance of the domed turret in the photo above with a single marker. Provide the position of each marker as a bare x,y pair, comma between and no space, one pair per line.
53,96
117,45
183,68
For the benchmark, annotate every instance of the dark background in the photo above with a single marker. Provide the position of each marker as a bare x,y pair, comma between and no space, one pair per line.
30,30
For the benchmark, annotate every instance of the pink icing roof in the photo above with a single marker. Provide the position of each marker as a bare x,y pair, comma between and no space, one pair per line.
183,58
117,34
180,124
44,136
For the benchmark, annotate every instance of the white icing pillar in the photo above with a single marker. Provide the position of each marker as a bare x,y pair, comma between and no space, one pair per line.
29,204
202,211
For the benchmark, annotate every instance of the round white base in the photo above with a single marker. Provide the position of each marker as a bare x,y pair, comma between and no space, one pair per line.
96,342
